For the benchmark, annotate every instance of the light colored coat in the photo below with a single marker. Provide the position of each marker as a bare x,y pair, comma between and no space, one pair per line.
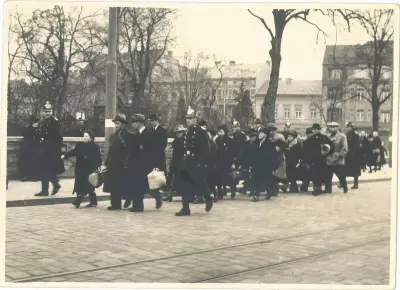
340,145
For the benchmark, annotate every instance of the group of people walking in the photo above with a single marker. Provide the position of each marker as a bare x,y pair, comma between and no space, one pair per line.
205,162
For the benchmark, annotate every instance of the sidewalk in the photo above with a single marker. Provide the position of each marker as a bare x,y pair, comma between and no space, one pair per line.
23,193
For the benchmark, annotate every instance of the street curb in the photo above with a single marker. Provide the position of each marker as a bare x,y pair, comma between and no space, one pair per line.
64,200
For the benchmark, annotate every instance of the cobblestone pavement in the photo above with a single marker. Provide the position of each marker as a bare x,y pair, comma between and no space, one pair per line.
293,238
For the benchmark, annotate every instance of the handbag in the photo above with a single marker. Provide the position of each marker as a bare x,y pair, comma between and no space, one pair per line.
156,179
96,178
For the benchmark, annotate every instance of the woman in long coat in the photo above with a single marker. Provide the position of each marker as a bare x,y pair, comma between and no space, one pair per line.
263,166
225,158
88,160
178,151
116,176
354,155
293,155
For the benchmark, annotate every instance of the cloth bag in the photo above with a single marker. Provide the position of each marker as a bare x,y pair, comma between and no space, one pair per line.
156,179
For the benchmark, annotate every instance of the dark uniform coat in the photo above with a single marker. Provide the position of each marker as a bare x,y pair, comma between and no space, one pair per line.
193,165
176,159
88,160
353,157
159,143
116,177
141,161
265,162
212,163
312,154
293,154
49,150
239,141
226,151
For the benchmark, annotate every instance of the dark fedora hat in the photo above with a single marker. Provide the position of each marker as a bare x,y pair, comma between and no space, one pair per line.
316,126
153,117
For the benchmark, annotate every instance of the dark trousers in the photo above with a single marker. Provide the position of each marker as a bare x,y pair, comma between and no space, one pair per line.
191,183
222,190
339,171
46,179
319,173
115,198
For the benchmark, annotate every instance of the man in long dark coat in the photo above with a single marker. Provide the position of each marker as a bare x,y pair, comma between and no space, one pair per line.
304,166
49,151
193,168
28,152
141,161
316,158
239,142
115,179
354,156
159,140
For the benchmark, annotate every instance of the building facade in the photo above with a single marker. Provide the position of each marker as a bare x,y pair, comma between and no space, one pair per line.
345,79
296,102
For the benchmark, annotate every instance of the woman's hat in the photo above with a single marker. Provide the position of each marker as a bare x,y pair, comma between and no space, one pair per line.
202,123
120,118
309,130
258,122
349,125
179,128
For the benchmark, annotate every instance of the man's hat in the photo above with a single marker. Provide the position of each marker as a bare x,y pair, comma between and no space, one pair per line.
179,128
316,126
309,130
121,118
333,124
288,124
258,122
272,126
190,114
138,118
349,125
202,123
47,106
153,117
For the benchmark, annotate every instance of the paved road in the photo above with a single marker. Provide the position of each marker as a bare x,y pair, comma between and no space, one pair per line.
294,238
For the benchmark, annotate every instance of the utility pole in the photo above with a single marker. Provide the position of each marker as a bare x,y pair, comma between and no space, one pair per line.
111,79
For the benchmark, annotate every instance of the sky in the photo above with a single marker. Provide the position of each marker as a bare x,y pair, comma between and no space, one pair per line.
231,33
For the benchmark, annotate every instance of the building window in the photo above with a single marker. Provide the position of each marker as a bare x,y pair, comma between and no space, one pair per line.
360,94
252,91
230,94
360,115
351,115
287,112
298,112
334,114
331,92
369,115
334,73
276,113
385,117
81,115
313,113
385,93
360,74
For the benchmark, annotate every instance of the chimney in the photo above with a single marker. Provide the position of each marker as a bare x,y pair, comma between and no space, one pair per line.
268,63
169,53
288,81
218,62
232,63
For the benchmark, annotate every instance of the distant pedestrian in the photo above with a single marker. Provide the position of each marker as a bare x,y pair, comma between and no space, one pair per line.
292,154
88,160
27,163
354,155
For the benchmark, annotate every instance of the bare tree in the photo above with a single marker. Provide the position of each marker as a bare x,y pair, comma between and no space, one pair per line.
373,62
54,45
281,19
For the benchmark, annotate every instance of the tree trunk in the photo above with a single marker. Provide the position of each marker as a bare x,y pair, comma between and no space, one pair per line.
268,107
375,116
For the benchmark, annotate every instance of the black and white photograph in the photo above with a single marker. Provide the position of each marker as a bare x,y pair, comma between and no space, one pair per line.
200,143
